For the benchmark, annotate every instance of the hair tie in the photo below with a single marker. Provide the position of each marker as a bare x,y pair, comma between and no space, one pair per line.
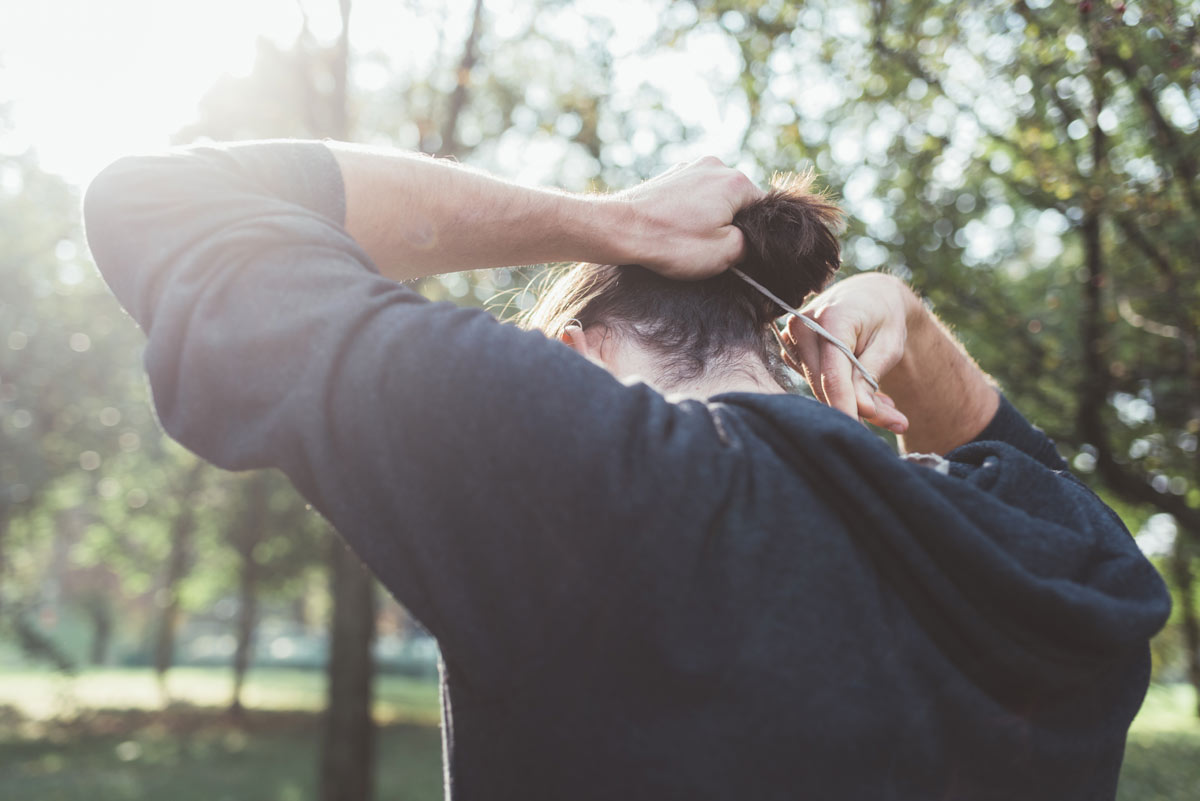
813,325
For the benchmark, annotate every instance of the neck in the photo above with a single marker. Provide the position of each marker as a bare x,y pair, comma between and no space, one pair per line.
746,373
747,377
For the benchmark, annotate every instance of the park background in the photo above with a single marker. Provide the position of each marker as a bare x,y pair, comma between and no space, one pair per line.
167,628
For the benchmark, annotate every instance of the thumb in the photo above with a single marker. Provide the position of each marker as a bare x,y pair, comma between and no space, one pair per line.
879,356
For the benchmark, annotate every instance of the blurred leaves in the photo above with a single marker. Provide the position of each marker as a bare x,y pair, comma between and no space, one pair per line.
972,144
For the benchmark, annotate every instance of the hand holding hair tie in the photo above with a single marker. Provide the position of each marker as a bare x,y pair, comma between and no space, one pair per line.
860,323
813,325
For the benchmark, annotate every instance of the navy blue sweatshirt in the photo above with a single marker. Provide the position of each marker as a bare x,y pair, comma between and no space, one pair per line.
750,597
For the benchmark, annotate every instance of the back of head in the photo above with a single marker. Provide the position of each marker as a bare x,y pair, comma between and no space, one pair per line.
791,247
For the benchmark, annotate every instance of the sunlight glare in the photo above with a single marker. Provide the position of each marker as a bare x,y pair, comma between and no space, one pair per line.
90,81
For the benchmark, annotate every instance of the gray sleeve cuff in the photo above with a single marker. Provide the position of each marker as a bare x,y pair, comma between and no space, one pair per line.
305,173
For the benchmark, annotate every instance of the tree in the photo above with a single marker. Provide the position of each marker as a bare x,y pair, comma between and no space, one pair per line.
65,393
179,560
1032,167
348,735
245,535
348,732
302,92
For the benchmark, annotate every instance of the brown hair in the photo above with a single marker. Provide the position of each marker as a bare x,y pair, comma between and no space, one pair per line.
791,247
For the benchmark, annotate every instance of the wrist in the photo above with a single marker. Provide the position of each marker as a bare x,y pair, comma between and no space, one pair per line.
606,229
919,331
946,396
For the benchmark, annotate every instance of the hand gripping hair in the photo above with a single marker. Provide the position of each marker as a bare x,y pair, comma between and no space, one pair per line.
791,250
789,234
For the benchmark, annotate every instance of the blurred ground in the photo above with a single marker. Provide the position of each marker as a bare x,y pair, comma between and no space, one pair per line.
101,736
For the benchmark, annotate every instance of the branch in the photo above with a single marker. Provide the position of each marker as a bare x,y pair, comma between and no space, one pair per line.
912,64
458,99
1129,315
1185,167
1093,391
338,105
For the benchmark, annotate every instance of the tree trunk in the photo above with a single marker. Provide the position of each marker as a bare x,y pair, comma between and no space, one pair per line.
348,735
100,612
247,617
3,536
178,562
4,517
249,535
458,99
348,732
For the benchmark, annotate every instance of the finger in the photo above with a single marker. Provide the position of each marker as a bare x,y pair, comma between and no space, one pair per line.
864,396
793,363
732,247
882,399
804,347
879,351
837,380
744,191
888,415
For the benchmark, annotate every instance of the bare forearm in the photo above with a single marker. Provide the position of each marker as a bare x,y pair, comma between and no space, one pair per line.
933,393
417,216
947,398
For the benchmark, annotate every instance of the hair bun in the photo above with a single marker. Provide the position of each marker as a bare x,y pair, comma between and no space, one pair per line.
791,240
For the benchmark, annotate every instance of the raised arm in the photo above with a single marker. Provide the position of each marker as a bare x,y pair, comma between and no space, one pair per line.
477,468
417,216
933,393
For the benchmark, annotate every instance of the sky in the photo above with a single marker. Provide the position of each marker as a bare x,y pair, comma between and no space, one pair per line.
89,81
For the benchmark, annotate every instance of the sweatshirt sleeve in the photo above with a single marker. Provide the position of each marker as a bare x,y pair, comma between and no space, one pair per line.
1036,579
1010,426
476,468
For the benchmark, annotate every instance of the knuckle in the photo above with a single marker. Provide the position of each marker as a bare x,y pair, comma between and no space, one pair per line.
831,380
839,326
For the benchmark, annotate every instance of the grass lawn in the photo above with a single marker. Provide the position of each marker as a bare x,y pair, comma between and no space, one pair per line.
1162,755
42,695
271,760
101,737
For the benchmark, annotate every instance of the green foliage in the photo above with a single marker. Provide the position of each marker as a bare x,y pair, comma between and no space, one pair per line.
1030,166
89,486
71,400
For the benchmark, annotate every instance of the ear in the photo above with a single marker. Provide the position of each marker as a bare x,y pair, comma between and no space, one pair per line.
575,339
